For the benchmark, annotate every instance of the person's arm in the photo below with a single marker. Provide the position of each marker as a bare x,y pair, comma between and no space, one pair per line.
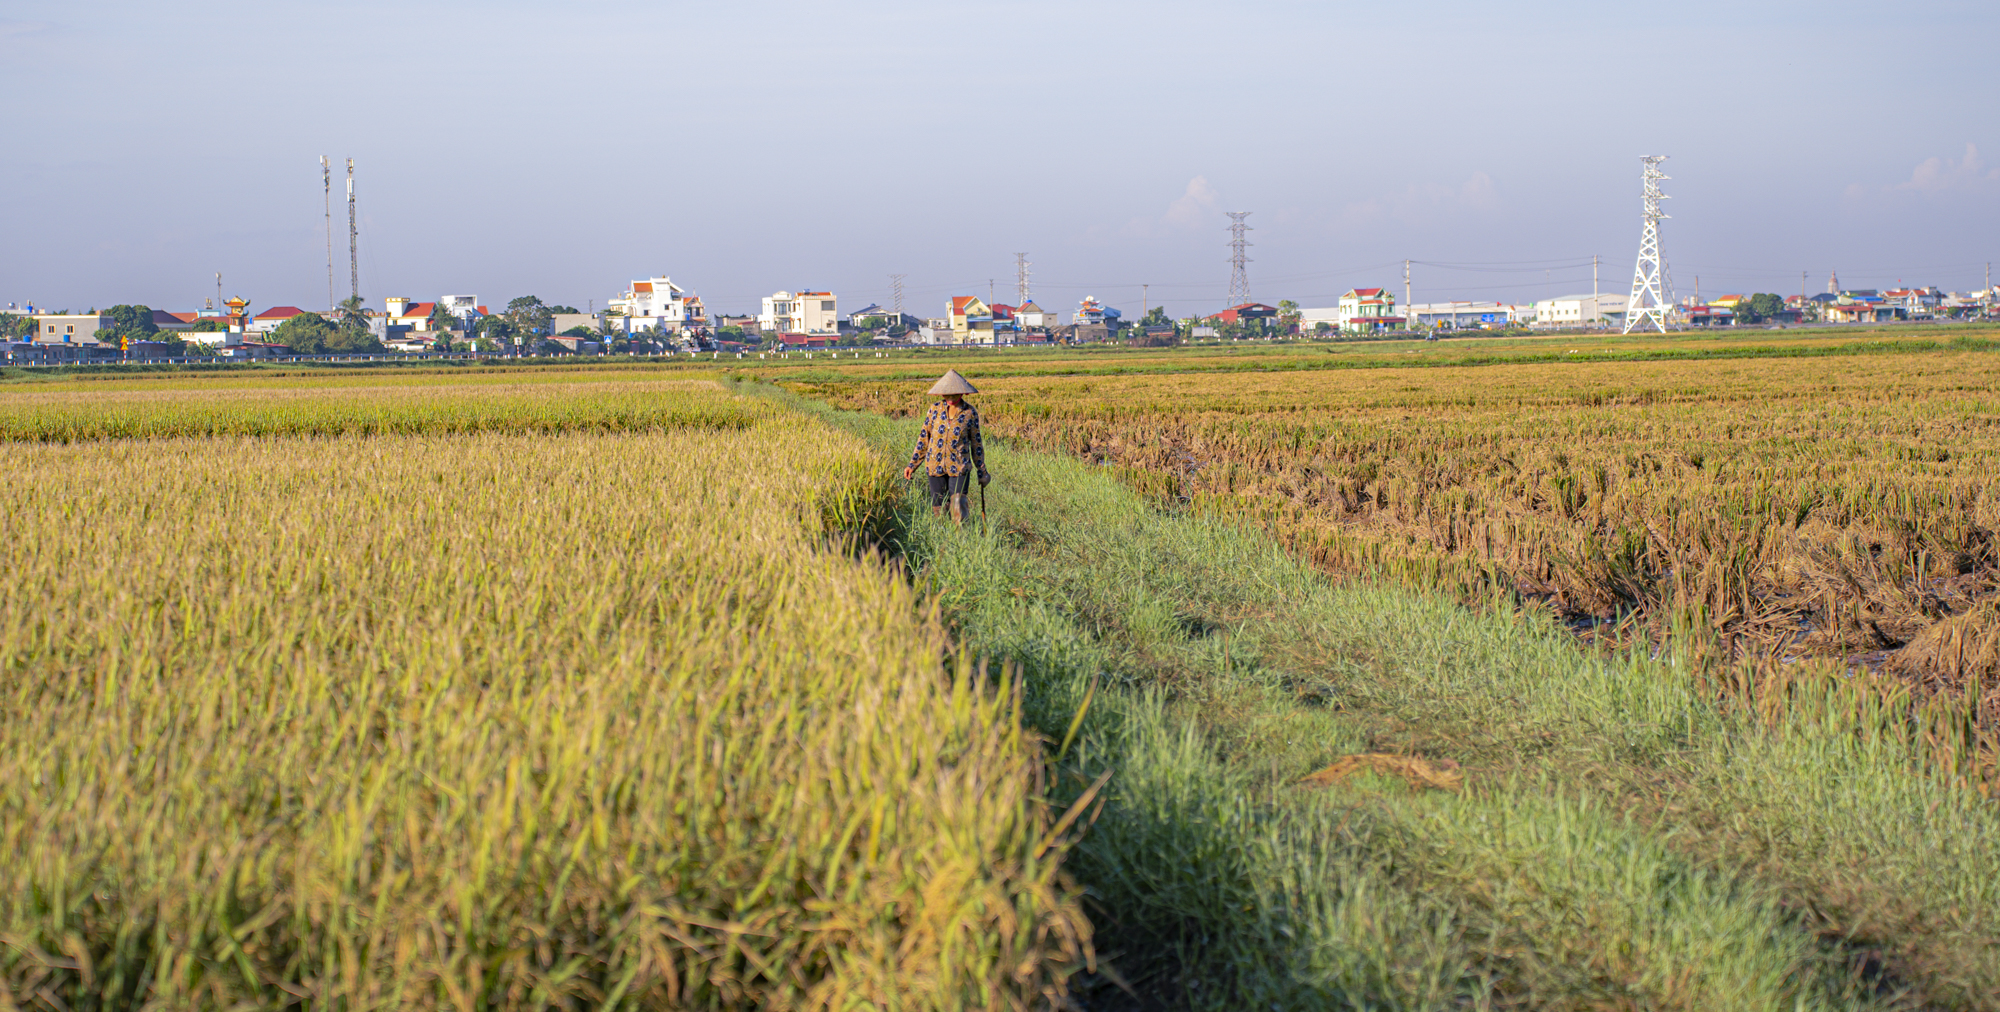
923,444
978,447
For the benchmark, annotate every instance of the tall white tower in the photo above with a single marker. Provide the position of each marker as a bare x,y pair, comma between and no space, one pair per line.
1649,285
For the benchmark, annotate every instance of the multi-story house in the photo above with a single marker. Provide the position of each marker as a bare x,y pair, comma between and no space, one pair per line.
971,320
811,313
1363,309
1033,317
657,303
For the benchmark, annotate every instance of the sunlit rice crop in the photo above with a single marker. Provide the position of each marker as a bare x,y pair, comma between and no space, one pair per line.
493,720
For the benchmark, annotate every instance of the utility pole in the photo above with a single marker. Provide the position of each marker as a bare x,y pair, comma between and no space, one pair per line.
353,238
1239,276
1648,302
1409,318
218,289
1021,297
1145,303
326,185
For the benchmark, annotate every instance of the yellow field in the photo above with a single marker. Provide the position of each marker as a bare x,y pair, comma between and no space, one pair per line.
574,705
1832,506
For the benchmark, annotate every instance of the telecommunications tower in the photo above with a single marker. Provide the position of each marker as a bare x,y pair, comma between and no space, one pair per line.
353,238
1649,284
326,184
1020,279
1239,278
896,286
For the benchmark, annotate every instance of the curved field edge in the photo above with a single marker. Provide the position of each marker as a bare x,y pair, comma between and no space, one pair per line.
1623,838
501,720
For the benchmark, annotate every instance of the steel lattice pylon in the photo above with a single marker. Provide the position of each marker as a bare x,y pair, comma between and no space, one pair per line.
1239,278
1021,297
1649,285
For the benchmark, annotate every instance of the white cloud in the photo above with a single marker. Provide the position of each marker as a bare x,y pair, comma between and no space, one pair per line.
1195,207
1937,175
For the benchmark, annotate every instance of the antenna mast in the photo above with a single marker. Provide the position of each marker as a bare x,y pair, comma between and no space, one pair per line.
1648,302
353,238
1239,278
326,182
1020,279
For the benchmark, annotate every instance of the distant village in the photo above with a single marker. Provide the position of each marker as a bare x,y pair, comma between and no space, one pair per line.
655,316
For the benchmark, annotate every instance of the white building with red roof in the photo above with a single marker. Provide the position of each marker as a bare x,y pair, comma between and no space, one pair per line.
271,318
657,303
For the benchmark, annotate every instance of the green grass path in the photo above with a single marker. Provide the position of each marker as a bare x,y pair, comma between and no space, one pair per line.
1618,843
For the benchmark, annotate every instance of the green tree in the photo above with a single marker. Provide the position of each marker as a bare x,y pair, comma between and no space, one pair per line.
1155,317
495,331
1758,307
529,315
352,314
306,333
441,318
351,340
207,325
135,322
16,325
1288,315
572,310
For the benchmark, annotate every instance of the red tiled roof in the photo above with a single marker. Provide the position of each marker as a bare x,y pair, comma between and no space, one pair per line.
280,313
959,302
642,286
1367,292
419,309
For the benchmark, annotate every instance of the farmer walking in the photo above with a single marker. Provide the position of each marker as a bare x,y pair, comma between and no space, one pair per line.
949,448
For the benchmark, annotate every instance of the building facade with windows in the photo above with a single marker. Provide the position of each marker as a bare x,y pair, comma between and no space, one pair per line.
803,312
657,303
971,320
70,328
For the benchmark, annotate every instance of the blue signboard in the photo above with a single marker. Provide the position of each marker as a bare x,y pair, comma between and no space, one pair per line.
1486,317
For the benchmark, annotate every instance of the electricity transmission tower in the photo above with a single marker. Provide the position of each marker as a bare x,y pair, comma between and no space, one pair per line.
1020,279
1239,278
1649,284
896,294
353,238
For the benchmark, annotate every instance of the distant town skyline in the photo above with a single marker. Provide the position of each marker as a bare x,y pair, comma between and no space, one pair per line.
562,150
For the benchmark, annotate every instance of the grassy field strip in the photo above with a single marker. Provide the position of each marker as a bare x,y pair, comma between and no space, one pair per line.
1621,841
31,415
500,721
1805,507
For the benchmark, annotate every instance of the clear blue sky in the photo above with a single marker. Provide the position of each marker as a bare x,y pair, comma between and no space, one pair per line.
563,148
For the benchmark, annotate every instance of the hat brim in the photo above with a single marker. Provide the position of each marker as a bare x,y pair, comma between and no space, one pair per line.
952,383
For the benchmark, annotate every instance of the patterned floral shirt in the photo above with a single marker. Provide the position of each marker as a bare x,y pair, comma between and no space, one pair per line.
950,440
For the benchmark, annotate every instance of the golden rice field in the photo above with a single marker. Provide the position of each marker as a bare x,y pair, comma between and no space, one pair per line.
366,699
1831,507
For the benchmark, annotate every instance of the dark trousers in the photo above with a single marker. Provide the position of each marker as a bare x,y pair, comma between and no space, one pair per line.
943,485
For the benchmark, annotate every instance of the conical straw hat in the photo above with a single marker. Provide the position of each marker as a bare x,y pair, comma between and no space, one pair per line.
952,383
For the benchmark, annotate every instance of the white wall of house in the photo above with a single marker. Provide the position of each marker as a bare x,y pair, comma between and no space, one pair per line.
71,328
1579,310
800,313
658,303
